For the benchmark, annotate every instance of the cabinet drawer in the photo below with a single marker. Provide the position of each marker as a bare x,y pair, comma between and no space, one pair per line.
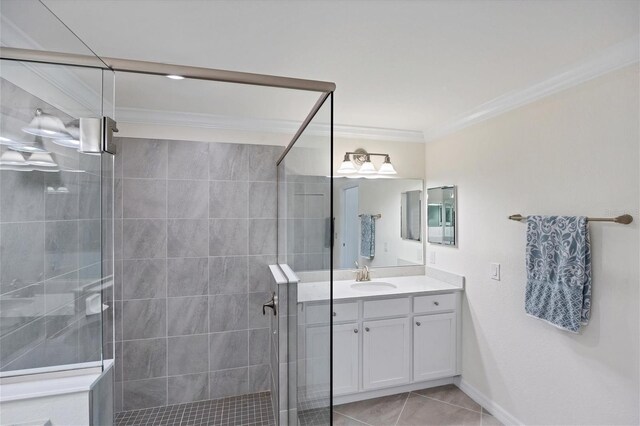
434,303
386,307
345,311
320,313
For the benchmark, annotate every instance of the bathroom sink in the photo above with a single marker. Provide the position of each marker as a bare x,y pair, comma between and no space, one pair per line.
373,286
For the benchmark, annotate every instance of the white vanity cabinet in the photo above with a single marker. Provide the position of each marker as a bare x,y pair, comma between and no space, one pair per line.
386,353
434,346
391,343
435,336
346,361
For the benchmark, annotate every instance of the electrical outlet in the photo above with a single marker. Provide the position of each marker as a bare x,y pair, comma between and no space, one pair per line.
432,257
494,272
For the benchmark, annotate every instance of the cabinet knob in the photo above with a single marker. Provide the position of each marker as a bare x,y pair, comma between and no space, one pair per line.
334,314
436,303
366,329
355,330
418,323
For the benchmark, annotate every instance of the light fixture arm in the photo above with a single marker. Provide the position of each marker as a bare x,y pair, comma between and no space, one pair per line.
364,153
360,156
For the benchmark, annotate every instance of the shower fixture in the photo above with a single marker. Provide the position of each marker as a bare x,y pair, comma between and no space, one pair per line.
362,158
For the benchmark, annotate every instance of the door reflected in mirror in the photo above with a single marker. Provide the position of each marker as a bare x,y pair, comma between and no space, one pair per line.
441,215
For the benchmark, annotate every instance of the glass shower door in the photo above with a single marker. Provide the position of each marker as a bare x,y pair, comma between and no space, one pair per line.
305,254
54,233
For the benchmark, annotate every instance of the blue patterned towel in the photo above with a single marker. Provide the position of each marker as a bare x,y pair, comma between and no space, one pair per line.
367,236
559,270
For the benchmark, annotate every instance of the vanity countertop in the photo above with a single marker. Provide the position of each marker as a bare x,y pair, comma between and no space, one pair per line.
316,291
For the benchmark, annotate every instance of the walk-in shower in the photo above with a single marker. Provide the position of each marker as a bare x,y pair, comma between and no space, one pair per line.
145,261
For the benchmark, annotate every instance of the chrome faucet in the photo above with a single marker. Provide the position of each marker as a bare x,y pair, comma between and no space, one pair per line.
362,274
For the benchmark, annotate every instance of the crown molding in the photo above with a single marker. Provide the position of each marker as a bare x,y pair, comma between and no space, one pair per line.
61,78
613,58
226,122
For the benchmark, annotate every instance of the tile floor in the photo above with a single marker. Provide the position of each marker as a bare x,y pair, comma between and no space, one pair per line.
250,410
443,405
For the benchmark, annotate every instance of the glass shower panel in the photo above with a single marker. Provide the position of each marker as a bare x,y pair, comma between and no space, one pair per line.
29,24
51,302
214,147
305,246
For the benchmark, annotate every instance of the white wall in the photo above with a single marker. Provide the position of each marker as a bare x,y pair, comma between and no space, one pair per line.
574,153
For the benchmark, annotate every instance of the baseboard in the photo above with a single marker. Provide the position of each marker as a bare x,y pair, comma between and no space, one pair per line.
497,411
359,396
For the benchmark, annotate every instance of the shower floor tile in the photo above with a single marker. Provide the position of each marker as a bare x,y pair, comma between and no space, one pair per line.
251,410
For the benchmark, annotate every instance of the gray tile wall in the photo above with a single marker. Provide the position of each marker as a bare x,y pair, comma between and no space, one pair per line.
195,233
49,251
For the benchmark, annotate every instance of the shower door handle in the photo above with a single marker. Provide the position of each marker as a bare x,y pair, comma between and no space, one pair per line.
270,304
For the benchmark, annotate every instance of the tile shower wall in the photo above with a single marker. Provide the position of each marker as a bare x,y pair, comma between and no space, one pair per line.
195,233
49,251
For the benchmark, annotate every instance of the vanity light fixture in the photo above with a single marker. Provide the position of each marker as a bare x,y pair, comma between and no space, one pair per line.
175,77
387,168
29,148
12,158
362,158
347,167
16,144
72,140
367,167
7,141
41,159
46,125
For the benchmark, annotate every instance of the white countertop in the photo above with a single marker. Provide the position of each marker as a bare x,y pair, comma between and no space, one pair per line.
315,291
67,383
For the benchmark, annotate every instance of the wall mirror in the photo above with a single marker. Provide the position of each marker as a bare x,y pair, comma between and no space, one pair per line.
441,215
378,222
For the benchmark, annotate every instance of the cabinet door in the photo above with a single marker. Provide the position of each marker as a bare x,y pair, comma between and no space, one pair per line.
386,353
434,346
345,358
316,359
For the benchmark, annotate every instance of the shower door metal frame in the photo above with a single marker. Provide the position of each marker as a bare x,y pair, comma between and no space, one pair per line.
159,68
325,97
325,88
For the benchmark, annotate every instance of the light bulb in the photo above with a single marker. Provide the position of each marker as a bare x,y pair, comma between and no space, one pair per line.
347,166
12,158
46,125
387,167
42,159
367,167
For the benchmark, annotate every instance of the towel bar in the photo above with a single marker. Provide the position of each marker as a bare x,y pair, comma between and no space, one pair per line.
375,216
625,219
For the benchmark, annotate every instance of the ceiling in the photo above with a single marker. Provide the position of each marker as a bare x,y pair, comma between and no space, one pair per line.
410,65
